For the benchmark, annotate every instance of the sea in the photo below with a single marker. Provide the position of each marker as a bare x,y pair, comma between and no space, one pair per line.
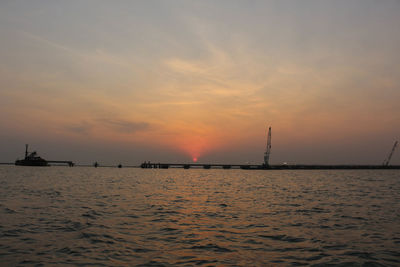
86,216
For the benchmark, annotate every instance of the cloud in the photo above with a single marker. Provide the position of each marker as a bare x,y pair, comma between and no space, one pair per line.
82,128
124,126
115,125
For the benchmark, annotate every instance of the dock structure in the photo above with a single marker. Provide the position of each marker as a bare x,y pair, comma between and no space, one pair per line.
69,163
151,165
267,166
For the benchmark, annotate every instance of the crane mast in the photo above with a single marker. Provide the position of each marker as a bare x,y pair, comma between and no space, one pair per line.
268,149
389,157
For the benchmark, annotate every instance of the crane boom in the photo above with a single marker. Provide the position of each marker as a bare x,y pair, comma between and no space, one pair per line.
387,160
268,149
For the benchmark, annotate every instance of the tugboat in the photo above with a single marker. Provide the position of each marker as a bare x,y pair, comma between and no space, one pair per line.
31,159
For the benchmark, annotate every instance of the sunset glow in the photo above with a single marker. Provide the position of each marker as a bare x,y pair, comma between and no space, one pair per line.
180,79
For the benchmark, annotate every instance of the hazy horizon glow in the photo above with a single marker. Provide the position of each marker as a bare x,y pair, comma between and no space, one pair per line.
182,80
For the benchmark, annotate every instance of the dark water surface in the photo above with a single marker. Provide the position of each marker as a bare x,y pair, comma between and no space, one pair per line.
128,217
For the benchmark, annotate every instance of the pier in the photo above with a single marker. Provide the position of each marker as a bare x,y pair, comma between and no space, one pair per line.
266,166
69,163
151,165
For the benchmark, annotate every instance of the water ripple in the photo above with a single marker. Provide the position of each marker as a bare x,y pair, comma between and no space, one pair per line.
133,217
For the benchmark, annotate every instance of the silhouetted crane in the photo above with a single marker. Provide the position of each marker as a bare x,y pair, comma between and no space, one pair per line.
387,160
268,149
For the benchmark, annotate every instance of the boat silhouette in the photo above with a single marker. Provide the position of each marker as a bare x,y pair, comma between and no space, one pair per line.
31,159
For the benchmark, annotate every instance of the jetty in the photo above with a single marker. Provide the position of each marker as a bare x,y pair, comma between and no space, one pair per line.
151,165
61,162
267,166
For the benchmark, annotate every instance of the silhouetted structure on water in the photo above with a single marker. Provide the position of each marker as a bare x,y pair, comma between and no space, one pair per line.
266,166
32,159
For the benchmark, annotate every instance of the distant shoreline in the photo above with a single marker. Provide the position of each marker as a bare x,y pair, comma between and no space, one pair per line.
271,167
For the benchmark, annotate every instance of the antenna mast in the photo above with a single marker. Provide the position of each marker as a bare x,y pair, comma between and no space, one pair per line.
268,149
387,160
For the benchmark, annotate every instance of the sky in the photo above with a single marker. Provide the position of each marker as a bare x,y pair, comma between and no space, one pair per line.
175,81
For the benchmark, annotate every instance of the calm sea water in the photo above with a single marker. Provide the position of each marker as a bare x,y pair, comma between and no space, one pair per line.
134,217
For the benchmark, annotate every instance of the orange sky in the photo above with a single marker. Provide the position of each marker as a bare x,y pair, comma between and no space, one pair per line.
177,80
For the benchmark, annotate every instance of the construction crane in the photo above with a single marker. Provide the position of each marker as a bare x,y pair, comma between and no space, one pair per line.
389,157
268,149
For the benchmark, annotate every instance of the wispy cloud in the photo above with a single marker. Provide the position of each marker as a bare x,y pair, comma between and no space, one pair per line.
120,126
81,128
124,126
